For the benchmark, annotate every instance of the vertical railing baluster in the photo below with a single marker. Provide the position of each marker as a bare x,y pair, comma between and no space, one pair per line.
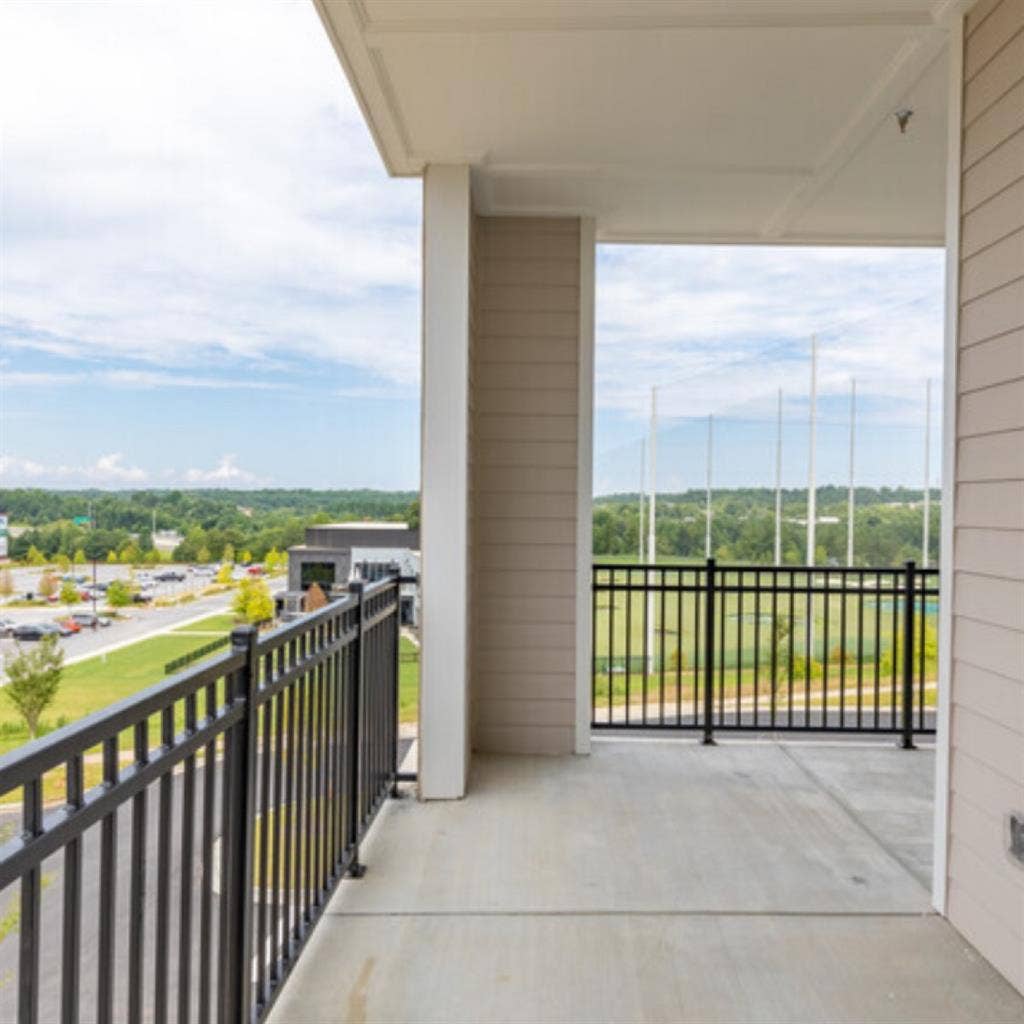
71,954
165,809
188,810
107,893
137,883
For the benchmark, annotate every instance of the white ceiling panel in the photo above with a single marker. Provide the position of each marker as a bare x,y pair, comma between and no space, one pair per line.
755,120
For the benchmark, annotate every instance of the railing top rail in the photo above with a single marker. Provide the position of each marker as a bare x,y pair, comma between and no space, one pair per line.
48,752
742,567
291,630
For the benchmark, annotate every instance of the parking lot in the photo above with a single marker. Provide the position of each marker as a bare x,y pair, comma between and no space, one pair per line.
130,623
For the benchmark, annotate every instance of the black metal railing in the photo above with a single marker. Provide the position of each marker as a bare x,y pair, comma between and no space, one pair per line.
197,830
712,647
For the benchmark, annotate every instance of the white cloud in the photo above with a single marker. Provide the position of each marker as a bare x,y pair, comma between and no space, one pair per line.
227,473
207,191
721,328
107,469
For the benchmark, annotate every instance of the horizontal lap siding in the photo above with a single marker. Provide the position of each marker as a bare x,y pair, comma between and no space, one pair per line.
986,888
524,455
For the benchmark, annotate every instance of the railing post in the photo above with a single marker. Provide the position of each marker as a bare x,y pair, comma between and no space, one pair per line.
356,869
709,655
909,579
394,725
240,794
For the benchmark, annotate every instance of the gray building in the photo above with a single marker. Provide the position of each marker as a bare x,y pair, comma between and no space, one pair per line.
334,554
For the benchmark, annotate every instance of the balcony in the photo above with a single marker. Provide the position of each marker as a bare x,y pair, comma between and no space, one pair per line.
232,845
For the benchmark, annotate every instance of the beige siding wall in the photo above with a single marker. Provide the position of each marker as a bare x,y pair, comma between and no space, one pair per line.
523,456
985,888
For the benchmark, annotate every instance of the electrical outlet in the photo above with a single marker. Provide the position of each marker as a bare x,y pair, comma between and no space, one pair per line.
1017,837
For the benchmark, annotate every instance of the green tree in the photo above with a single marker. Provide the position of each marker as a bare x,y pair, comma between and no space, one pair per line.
79,556
253,601
203,555
246,557
112,557
33,679
224,573
34,556
228,554
62,562
69,592
151,557
118,594
130,554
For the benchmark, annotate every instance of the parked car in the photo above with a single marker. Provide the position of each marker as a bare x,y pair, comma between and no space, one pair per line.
255,570
86,620
7,627
169,576
69,625
34,631
71,577
142,597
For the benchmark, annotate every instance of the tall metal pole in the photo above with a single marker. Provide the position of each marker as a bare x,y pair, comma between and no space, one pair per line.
652,548
850,492
778,483
707,495
812,497
643,484
927,470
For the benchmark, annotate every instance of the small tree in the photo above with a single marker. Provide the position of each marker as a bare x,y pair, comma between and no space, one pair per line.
151,557
33,678
315,598
224,573
203,555
111,558
79,557
62,561
34,556
6,583
118,594
130,553
69,592
253,601
48,584
228,554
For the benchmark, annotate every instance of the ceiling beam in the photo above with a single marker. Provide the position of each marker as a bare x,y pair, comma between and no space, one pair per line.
700,15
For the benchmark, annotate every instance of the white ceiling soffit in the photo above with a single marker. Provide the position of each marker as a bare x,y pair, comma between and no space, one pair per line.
667,120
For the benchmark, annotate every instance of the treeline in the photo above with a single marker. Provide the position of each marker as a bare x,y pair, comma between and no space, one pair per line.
887,526
212,522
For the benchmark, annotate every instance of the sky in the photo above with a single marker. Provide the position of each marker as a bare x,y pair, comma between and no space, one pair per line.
208,279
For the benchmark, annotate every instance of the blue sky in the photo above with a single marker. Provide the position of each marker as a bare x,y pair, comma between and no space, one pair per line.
207,279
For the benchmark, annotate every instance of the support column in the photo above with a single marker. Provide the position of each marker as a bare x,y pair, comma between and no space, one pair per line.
444,703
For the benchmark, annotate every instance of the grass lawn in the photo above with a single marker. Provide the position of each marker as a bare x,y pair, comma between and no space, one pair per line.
409,682
97,682
212,624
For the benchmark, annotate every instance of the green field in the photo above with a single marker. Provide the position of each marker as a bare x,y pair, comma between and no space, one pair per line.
818,647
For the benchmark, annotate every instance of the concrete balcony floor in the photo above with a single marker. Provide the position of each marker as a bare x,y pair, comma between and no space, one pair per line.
656,880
